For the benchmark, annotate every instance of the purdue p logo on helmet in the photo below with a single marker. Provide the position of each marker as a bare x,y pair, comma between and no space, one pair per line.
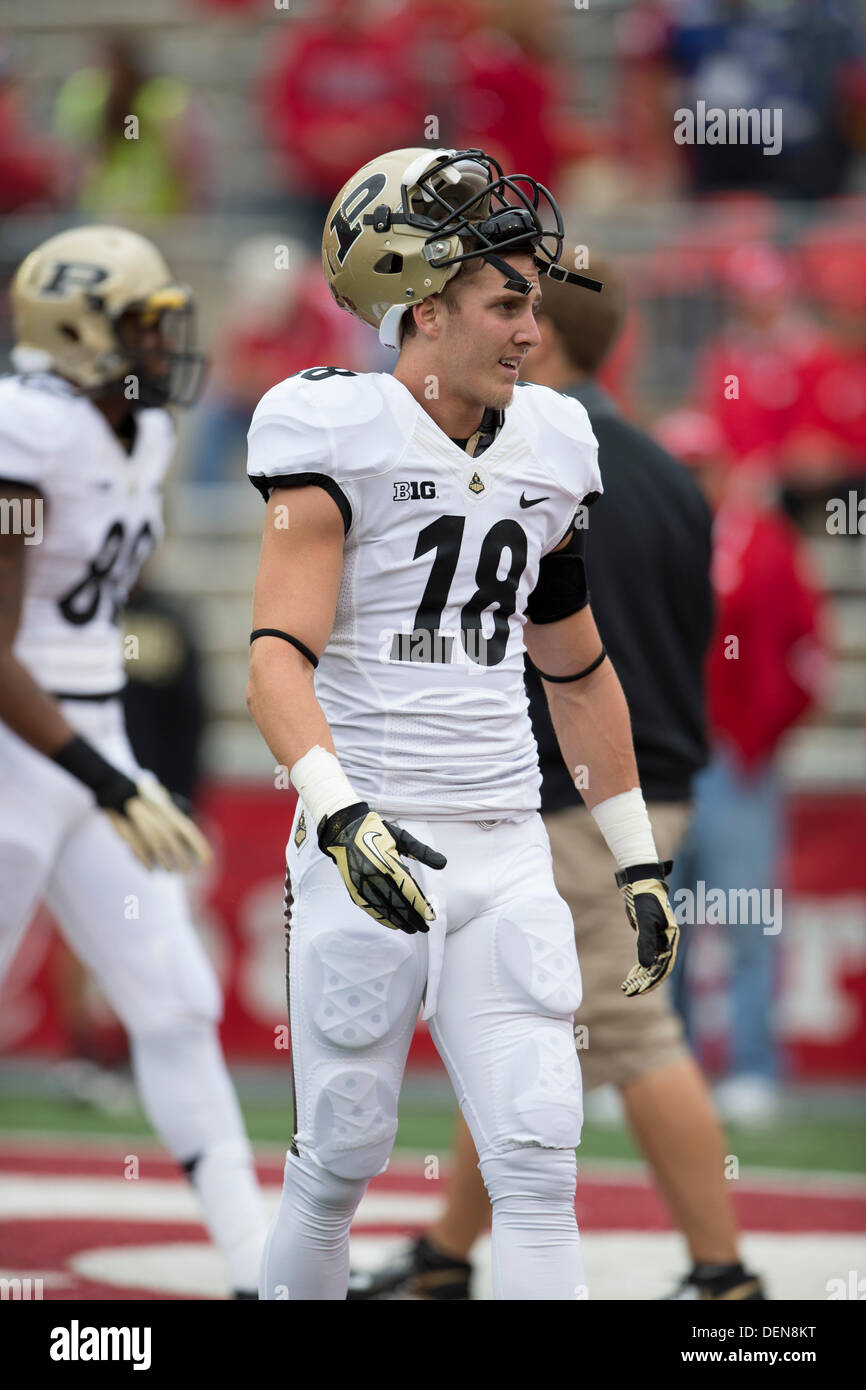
69,297
406,222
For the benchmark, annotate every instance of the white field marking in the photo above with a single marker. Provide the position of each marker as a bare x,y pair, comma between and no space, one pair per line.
626,1265
173,1267
51,1279
620,1266
28,1196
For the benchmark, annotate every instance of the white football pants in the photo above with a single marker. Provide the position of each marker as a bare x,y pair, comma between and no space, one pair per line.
499,976
132,929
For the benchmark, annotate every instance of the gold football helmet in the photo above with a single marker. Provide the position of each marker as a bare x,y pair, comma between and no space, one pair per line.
404,224
98,304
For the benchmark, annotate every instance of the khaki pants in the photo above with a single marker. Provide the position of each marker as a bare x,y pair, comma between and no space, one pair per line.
619,1038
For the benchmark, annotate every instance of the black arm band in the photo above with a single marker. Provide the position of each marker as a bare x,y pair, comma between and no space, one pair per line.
111,787
635,872
275,632
561,589
587,670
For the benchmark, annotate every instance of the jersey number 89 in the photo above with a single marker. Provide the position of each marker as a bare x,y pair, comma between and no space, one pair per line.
112,572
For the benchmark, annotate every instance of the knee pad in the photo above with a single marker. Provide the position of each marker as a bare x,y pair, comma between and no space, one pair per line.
537,954
360,991
354,1119
546,1099
533,1174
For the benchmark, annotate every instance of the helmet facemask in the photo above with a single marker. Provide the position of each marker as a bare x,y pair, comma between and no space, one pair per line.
155,340
474,207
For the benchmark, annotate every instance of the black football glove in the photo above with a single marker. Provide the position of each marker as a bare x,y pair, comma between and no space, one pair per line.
365,849
645,892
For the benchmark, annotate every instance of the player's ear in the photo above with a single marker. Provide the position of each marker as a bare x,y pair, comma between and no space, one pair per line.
428,316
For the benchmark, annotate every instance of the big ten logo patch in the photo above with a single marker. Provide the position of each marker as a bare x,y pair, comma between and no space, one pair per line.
414,491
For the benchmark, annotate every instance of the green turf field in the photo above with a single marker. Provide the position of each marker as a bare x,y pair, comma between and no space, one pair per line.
800,1142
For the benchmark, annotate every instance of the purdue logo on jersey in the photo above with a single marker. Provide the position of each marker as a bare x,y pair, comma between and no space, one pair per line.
475,484
301,830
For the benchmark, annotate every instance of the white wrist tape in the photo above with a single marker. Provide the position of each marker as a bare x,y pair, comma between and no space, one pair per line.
322,784
625,824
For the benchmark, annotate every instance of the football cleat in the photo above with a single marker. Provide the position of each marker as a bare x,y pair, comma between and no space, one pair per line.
418,1272
719,1283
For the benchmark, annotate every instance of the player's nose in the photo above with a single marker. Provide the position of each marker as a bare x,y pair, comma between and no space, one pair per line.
528,334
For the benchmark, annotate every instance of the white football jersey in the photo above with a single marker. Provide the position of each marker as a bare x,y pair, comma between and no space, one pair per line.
422,679
102,515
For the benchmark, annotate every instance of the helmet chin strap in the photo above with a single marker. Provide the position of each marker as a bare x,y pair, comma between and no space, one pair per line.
569,277
519,283
513,278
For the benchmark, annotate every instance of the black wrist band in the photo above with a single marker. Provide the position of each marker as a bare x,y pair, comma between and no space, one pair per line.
111,787
587,670
286,637
635,872
329,826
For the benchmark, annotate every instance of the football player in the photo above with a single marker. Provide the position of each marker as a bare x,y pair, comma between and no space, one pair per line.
85,441
423,531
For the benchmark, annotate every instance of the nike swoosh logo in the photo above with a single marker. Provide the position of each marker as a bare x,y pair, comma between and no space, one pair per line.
524,502
369,840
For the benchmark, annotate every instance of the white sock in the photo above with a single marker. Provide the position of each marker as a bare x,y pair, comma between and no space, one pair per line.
536,1243
307,1249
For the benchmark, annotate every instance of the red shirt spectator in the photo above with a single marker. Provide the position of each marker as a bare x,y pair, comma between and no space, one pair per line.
768,601
753,384
29,168
829,430
343,89
508,103
250,360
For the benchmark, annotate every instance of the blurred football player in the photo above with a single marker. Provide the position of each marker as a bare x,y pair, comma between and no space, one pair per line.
423,531
102,337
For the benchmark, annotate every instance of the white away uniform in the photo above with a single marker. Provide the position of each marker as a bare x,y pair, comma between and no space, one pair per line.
422,686
101,516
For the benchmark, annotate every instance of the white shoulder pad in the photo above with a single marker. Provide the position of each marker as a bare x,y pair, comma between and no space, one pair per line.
557,428
328,421
37,425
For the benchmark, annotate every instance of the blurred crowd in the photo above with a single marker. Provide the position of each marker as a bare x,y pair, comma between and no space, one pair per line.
344,79
348,78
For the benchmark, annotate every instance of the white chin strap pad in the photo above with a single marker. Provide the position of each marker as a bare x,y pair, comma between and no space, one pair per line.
389,328
31,359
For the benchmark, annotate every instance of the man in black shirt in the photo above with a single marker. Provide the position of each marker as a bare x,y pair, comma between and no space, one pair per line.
646,564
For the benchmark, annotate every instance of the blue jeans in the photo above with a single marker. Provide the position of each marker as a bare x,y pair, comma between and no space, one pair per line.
734,842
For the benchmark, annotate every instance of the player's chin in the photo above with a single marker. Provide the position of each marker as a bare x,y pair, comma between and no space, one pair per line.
501,387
